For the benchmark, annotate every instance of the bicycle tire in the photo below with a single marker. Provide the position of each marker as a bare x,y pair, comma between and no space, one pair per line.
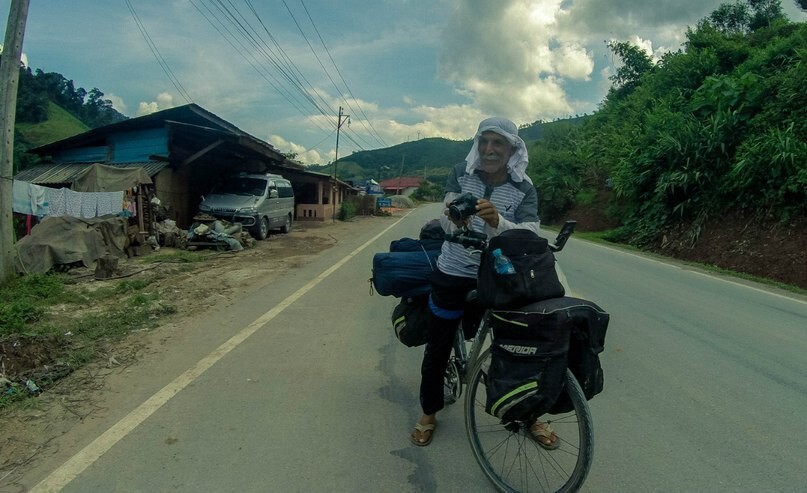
511,459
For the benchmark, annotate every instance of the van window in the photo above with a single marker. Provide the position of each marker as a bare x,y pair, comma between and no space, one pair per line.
284,189
239,185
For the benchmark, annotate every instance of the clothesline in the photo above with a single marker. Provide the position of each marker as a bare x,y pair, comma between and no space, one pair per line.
40,201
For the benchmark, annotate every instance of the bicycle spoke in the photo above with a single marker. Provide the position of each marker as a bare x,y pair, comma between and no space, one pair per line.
513,460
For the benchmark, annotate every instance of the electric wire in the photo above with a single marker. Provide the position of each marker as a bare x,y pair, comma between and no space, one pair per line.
345,100
255,64
240,37
244,38
158,56
287,70
292,72
294,67
365,118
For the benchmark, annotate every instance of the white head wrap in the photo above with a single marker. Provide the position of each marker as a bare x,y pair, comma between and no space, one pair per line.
517,165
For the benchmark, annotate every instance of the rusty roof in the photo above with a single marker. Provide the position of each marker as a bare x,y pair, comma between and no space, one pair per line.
59,173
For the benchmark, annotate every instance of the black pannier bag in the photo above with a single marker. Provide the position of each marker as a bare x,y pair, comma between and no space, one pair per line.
535,278
411,319
528,363
587,325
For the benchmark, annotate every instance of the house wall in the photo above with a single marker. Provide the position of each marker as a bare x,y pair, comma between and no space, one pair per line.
314,198
124,147
137,146
171,187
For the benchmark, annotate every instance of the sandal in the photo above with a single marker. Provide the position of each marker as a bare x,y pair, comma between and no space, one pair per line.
544,436
422,430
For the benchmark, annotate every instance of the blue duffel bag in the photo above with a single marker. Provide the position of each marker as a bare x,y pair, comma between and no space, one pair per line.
404,273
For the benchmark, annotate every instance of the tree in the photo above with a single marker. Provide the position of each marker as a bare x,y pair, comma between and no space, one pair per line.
731,18
765,12
802,4
635,63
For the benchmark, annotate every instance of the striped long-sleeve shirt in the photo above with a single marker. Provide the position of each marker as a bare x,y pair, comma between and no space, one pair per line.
517,204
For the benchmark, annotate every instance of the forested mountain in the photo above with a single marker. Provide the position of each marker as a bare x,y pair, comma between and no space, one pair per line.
38,88
430,157
50,108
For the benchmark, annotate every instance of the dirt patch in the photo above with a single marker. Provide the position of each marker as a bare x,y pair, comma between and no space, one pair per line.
755,245
759,246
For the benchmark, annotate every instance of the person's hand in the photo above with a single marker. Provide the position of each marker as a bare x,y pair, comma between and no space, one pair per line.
487,212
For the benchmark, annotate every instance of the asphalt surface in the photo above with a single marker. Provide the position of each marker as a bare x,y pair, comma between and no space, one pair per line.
301,386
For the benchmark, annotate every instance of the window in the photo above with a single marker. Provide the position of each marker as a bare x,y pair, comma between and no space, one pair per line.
284,189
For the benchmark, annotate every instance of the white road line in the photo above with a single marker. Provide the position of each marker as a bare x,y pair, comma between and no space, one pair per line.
74,466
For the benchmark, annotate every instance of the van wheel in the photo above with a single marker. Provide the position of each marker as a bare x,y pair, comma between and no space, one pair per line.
262,231
287,226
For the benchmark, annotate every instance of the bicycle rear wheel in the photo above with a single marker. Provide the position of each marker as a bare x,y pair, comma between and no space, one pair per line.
511,459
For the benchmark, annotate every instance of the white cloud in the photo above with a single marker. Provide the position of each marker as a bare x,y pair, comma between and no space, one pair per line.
304,156
511,61
117,102
163,102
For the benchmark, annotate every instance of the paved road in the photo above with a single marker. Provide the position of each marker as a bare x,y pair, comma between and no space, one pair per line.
304,388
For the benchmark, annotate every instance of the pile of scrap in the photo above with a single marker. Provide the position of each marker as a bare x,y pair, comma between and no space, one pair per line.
207,231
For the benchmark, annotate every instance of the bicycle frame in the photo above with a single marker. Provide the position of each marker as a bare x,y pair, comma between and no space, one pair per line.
468,358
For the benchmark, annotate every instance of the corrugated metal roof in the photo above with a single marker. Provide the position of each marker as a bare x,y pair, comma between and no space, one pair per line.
58,173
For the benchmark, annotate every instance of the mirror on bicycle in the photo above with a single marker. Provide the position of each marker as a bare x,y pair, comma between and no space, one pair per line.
563,236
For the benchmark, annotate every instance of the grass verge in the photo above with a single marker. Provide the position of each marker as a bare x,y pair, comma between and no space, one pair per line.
38,348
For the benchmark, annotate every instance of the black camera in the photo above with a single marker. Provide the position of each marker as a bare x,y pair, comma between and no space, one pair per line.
462,207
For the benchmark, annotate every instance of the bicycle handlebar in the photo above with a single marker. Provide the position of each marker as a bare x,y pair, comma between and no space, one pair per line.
468,239
479,241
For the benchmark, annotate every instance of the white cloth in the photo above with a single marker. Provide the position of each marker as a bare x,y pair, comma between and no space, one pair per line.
517,165
66,202
28,198
57,199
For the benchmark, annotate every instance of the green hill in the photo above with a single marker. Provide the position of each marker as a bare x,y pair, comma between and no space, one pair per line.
59,125
431,158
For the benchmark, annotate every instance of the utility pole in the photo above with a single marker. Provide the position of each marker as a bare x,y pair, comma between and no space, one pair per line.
9,78
400,175
339,124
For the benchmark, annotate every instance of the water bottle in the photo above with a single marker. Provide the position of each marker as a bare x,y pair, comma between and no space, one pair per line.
501,263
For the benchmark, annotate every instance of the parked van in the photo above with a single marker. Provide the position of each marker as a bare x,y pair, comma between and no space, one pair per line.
259,202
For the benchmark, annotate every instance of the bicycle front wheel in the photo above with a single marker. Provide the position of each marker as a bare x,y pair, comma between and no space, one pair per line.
511,459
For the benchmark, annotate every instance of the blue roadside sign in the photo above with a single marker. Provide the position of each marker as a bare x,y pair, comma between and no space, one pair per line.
384,202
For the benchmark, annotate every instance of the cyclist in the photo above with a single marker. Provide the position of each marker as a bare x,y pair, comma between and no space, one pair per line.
495,172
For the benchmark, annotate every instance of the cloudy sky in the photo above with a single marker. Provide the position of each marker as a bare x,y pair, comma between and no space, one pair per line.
402,69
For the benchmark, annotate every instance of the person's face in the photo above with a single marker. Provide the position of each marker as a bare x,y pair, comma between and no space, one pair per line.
494,152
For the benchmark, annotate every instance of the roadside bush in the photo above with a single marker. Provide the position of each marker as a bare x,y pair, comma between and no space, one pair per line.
348,208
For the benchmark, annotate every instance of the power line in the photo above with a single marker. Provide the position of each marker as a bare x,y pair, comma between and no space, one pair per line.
282,63
158,56
338,91
375,132
264,54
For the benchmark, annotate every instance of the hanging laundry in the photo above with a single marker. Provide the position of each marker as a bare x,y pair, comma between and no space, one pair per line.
57,200
28,198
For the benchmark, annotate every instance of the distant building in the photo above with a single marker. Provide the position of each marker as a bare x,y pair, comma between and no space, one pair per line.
404,185
372,187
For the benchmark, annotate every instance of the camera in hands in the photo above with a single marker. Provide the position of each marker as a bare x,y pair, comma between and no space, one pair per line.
462,207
